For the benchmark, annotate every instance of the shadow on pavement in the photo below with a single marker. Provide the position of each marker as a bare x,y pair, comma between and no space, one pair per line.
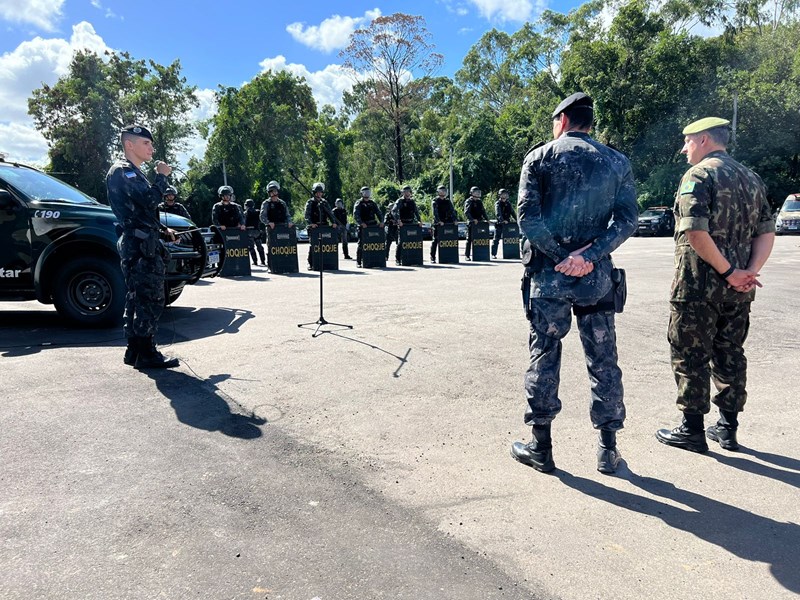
198,403
403,359
740,532
25,333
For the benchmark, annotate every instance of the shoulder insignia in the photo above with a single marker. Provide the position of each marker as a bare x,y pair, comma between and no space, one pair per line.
687,187
130,174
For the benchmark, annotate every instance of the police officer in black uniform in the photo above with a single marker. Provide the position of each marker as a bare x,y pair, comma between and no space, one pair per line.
474,212
253,225
443,213
226,213
171,205
341,218
366,214
318,212
504,214
405,212
134,201
273,212
391,227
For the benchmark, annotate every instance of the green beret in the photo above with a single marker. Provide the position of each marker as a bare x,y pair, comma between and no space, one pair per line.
705,124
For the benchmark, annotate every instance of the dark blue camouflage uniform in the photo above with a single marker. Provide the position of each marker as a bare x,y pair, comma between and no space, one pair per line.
134,201
709,320
573,191
504,214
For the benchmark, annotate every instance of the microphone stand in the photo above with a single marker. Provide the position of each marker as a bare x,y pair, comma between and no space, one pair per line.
321,321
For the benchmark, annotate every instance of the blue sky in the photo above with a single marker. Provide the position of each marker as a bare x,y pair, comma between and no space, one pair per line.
225,43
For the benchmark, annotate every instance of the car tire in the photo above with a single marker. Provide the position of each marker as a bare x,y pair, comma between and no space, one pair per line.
90,292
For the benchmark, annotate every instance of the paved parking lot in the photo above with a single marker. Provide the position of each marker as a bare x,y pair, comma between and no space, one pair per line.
374,462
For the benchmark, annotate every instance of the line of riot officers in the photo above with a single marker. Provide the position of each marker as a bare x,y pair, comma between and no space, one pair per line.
226,213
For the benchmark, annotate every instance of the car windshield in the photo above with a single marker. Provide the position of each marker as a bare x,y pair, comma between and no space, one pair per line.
38,186
791,206
651,213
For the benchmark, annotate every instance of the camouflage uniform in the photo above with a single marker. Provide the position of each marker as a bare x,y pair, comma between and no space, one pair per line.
391,229
708,319
134,202
273,211
570,190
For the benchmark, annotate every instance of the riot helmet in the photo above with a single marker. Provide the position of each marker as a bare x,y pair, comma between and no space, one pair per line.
366,192
503,191
225,190
339,203
170,191
273,185
249,203
318,187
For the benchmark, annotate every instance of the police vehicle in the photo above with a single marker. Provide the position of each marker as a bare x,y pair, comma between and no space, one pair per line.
59,246
787,220
656,221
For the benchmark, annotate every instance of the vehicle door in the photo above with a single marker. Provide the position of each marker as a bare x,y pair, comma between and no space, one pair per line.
15,244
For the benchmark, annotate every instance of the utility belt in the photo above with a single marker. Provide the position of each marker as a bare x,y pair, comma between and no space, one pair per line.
535,261
150,242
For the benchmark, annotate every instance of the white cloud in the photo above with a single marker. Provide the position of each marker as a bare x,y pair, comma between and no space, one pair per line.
44,14
23,143
326,85
333,33
27,67
196,145
506,10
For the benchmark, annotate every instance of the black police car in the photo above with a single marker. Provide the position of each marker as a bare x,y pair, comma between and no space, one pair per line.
59,246
656,221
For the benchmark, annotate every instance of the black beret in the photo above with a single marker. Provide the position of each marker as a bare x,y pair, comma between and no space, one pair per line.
138,130
578,99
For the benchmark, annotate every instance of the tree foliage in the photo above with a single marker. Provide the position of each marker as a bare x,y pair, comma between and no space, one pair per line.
80,116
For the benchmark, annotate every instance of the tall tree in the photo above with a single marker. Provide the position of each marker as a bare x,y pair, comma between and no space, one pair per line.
81,115
390,52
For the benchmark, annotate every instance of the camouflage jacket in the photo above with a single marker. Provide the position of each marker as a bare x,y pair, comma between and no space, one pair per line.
133,198
474,210
274,211
573,191
318,212
443,211
729,201
503,211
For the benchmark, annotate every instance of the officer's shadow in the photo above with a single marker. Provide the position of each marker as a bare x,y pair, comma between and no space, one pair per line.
745,534
198,403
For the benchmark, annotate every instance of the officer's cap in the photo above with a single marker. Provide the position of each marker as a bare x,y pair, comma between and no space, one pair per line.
137,130
705,124
576,100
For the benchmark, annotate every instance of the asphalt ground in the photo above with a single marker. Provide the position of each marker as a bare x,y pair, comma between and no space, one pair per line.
373,462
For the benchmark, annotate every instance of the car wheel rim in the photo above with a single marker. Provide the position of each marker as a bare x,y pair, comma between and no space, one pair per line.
90,292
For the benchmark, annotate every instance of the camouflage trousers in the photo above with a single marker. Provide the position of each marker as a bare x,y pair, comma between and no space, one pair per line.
706,344
550,320
144,278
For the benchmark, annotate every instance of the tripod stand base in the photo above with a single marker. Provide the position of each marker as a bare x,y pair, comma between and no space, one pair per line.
319,323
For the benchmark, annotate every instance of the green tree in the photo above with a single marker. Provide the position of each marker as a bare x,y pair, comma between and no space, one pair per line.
388,52
82,113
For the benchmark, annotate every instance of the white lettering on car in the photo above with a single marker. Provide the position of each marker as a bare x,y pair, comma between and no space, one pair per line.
47,214
9,273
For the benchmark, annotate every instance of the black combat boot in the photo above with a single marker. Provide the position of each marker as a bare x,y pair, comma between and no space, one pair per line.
608,456
724,432
688,435
150,358
538,453
132,351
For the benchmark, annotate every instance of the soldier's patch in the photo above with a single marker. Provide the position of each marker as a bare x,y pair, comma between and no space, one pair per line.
130,174
687,187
